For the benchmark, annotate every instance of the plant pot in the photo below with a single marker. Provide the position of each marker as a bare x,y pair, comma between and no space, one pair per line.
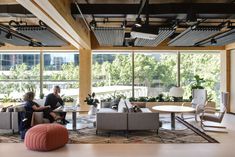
93,110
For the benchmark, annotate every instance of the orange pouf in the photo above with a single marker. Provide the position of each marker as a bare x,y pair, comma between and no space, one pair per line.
46,137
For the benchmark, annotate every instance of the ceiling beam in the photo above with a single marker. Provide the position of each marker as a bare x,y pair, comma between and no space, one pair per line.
60,12
170,8
39,13
56,14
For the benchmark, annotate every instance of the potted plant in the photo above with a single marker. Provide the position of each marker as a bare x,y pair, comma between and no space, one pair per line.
93,102
198,83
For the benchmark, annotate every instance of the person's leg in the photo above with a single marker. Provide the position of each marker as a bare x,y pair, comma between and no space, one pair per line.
55,116
51,115
63,115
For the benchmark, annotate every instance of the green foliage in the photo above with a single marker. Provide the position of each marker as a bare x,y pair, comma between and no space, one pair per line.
198,83
25,74
68,72
68,99
41,96
160,98
91,100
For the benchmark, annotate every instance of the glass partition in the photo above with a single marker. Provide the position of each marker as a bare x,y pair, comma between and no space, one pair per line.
112,74
20,73
207,66
155,73
62,69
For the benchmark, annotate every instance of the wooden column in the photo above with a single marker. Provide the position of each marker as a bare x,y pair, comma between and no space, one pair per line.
85,77
228,76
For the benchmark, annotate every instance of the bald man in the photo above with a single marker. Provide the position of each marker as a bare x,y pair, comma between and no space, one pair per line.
54,100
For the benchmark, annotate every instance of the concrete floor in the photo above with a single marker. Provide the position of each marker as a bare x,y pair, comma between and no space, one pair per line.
224,149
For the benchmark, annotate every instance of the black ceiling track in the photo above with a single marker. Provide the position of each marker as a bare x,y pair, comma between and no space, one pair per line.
170,8
15,10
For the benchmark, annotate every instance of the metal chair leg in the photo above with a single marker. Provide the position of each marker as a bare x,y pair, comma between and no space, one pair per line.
203,126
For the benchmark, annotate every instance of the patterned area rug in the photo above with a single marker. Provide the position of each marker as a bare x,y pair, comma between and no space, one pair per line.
87,136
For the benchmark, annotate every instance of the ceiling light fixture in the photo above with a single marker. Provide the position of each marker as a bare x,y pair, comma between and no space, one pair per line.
42,24
93,23
213,42
124,24
229,24
193,27
138,22
8,36
31,43
191,17
176,24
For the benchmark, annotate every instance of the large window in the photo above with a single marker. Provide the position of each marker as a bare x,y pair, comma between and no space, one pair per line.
61,68
19,74
112,74
206,66
155,73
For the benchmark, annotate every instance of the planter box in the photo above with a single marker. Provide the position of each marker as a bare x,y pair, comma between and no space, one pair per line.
5,104
151,104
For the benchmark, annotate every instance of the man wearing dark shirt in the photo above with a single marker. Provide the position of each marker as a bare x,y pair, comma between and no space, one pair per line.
54,100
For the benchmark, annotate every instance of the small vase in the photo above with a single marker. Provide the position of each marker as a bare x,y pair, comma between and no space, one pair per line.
92,110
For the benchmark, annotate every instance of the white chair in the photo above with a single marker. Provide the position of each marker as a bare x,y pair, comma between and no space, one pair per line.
199,101
211,115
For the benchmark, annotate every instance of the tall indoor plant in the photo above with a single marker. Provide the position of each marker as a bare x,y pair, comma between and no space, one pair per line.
93,102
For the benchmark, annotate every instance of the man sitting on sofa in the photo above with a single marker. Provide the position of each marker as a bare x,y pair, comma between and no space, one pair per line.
54,101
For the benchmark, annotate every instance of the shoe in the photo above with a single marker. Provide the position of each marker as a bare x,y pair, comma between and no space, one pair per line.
59,121
66,121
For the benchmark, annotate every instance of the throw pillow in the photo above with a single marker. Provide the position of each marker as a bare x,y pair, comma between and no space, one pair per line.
122,106
128,104
135,109
114,103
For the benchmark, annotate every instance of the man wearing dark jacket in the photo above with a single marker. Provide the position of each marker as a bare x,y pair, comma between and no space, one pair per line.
54,101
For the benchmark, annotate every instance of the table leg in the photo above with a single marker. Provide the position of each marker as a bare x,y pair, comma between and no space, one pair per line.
173,120
74,116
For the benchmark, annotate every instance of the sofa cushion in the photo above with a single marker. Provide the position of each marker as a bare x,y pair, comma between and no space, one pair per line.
46,137
145,110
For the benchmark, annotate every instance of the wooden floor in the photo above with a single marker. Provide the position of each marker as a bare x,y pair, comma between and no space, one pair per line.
226,148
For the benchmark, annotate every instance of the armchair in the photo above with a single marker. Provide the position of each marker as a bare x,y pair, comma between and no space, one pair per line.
212,115
199,101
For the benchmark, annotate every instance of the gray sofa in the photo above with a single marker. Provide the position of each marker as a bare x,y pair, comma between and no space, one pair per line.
109,120
9,118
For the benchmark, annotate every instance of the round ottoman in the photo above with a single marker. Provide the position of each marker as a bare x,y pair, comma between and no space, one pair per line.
46,137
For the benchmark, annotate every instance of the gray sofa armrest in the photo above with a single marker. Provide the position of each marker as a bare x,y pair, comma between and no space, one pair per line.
14,120
143,121
111,121
5,120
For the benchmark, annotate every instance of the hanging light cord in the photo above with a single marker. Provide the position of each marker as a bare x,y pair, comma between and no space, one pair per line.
84,19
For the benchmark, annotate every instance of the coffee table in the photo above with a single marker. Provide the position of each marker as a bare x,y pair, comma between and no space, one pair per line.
74,110
173,110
